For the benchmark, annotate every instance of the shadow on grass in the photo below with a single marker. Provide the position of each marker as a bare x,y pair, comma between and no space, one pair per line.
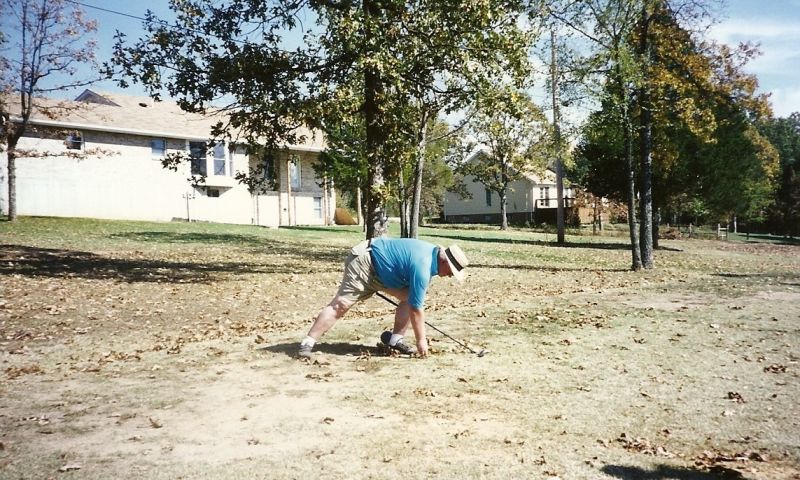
770,239
542,243
46,262
257,244
664,472
540,268
782,278
325,229
193,237
261,245
339,348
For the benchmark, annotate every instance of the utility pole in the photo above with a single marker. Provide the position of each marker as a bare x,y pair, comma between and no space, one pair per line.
557,139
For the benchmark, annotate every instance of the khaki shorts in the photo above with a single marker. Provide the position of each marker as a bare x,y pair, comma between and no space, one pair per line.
359,281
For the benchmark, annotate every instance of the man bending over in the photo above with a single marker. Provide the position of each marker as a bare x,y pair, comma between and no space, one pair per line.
402,267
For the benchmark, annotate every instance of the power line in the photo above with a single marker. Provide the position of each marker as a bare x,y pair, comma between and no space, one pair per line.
160,22
122,14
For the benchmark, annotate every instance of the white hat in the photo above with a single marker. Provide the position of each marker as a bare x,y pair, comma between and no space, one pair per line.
457,260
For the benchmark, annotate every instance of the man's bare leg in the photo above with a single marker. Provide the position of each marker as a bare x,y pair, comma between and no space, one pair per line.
402,314
328,316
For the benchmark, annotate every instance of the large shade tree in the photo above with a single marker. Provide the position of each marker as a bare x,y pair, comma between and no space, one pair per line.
707,155
515,136
784,133
234,57
662,84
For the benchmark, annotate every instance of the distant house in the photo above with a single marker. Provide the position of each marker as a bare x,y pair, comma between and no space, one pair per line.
127,180
531,200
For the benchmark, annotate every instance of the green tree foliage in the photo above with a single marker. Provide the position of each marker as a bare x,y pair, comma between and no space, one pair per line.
45,42
698,144
437,177
516,136
784,133
714,156
345,158
394,56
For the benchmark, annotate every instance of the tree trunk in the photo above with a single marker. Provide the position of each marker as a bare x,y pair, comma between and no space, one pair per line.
656,226
503,210
376,214
418,170
403,200
11,155
557,141
359,205
645,148
376,218
636,256
646,198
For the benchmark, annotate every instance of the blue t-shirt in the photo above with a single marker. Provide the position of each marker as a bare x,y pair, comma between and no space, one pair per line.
406,263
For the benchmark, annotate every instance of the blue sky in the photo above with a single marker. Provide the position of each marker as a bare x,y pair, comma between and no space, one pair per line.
775,24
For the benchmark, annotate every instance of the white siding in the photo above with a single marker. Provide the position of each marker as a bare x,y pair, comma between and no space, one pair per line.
125,182
518,197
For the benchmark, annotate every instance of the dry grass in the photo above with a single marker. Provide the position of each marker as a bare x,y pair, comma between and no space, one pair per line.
137,350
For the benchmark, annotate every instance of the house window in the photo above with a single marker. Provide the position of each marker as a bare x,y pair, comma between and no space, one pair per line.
230,160
294,173
197,152
318,207
488,198
212,192
74,141
219,158
269,168
544,196
158,147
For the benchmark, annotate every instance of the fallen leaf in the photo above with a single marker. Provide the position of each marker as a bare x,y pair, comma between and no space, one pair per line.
736,397
69,467
775,368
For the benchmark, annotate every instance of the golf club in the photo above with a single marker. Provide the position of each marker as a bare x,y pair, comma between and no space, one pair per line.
480,354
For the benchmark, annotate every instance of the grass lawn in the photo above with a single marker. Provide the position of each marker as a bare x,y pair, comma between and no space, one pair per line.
166,350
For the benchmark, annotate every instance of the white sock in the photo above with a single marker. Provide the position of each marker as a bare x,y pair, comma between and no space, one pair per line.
308,341
396,337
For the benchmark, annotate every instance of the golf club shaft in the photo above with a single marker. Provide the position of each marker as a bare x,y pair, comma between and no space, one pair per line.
428,324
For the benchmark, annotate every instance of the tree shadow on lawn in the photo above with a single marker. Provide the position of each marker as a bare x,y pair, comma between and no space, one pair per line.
783,278
47,262
325,229
211,239
664,472
542,243
338,348
259,244
548,269
766,238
